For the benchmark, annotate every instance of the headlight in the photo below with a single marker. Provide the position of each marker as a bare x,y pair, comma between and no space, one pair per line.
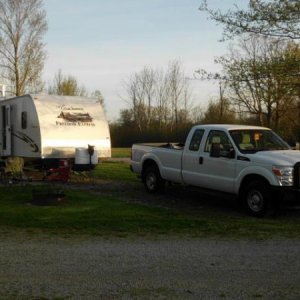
284,175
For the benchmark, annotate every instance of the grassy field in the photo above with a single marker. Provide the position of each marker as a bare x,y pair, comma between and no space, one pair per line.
111,212
120,152
86,212
115,171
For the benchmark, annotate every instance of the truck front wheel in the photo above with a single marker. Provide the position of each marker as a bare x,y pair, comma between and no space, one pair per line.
152,180
256,196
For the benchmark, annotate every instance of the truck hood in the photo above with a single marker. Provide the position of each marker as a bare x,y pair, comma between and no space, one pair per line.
278,157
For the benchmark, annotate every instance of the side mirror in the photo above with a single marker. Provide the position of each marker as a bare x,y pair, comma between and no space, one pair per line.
231,153
215,150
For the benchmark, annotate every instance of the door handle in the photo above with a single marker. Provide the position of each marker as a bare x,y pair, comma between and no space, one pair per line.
200,160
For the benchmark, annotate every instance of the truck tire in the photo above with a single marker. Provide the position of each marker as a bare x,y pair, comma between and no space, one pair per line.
257,198
152,180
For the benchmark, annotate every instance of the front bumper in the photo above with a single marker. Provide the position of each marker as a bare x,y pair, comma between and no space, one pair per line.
286,193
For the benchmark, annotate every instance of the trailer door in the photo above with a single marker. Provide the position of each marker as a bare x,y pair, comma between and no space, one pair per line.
6,130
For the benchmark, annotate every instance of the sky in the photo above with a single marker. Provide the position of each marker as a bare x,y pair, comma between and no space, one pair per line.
102,43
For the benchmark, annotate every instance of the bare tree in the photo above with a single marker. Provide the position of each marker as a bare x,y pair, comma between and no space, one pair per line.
159,99
135,99
162,99
178,91
98,95
219,112
66,85
197,115
22,26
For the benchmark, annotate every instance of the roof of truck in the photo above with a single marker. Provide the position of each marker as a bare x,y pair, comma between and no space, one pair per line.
230,127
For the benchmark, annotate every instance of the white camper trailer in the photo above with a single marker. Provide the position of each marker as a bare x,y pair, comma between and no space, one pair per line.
52,127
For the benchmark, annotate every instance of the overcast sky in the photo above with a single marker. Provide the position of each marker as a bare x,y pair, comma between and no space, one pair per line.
103,42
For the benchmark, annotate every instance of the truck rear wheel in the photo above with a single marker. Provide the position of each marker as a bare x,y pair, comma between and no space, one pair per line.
152,180
256,196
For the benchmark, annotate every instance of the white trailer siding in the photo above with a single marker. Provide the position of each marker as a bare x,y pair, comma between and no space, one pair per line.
20,133
67,123
56,126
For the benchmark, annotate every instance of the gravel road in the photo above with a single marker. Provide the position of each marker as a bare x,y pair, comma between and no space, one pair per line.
47,267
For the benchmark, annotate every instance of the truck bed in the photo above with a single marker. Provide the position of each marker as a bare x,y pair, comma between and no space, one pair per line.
176,146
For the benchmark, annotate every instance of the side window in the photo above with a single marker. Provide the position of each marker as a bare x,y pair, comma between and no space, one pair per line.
196,140
219,137
24,119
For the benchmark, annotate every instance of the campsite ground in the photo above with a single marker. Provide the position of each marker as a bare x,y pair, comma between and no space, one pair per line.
42,266
211,249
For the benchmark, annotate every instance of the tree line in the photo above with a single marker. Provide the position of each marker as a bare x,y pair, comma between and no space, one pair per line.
259,85
260,78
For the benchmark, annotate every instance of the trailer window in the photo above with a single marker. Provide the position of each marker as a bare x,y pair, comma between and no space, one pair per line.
24,119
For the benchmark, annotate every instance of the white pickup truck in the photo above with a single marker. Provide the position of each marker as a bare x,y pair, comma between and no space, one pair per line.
250,162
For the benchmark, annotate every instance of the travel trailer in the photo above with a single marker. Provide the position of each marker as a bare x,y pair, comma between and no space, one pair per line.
52,127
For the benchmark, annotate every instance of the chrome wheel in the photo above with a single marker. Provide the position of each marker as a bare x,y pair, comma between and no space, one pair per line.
151,181
255,201
256,196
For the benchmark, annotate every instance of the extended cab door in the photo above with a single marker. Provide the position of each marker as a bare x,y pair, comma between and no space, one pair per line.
6,130
203,170
192,159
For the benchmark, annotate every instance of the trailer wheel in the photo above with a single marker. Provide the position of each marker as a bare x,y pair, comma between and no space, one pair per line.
152,180
257,198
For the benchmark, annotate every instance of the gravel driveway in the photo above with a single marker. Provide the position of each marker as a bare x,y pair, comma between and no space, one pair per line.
47,267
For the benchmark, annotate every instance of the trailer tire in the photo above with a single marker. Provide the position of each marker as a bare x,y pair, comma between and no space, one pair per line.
257,198
153,182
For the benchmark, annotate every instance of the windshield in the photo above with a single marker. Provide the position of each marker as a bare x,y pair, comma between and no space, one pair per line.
251,141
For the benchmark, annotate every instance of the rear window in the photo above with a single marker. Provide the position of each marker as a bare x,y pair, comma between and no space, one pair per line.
196,140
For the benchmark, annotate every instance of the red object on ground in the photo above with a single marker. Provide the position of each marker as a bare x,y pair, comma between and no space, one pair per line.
62,173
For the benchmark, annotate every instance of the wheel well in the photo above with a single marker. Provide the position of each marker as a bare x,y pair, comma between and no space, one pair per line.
250,178
148,163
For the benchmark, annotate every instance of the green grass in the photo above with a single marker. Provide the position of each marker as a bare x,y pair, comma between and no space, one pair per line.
114,171
120,152
107,170
108,211
87,212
